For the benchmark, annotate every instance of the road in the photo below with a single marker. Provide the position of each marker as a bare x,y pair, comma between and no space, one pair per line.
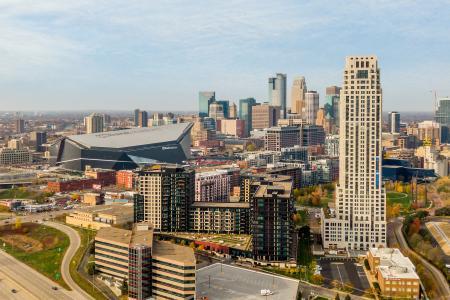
443,288
74,245
33,217
29,283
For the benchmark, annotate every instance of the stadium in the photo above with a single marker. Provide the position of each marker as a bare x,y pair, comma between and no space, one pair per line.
125,149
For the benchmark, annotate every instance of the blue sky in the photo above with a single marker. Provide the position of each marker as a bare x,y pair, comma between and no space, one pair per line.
157,55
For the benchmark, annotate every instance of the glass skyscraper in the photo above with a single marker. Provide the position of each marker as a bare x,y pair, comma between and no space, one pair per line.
204,100
245,112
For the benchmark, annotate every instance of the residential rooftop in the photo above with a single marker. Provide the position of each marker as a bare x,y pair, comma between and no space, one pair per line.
170,251
111,209
393,264
221,204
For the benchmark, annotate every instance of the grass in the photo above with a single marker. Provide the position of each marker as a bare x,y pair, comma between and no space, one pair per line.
39,246
4,209
24,193
401,198
85,235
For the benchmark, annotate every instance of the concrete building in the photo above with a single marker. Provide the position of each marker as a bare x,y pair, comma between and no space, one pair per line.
395,273
94,123
442,116
219,217
216,111
331,107
394,122
204,100
271,225
212,186
312,135
96,217
265,116
38,138
93,199
234,127
429,132
311,107
233,111
277,93
226,107
359,219
332,145
164,195
298,95
10,156
245,112
281,137
20,125
125,179
153,269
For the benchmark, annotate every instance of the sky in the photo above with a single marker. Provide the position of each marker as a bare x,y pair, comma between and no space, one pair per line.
157,55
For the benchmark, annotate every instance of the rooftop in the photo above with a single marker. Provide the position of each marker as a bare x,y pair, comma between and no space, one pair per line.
116,235
112,209
170,251
393,264
283,189
132,137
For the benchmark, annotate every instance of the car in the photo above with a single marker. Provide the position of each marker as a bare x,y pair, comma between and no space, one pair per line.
55,288
13,291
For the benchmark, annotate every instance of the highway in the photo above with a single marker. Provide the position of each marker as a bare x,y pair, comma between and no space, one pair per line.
443,288
74,245
28,283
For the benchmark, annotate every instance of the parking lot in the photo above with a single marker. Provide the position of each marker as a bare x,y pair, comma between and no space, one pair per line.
344,270
221,281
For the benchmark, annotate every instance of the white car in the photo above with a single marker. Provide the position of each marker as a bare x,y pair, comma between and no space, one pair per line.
266,292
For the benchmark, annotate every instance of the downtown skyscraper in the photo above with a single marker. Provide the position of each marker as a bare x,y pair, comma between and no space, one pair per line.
277,93
359,219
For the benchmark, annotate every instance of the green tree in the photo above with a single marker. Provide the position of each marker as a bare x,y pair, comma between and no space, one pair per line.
124,288
347,297
337,297
91,268
251,147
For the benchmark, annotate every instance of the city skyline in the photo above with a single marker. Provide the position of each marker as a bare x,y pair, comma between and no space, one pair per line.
121,57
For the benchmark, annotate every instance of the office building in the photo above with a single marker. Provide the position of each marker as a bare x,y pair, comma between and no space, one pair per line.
216,111
212,186
311,107
204,100
276,138
234,127
153,269
20,125
442,116
394,122
312,135
233,111
332,107
38,138
124,149
395,273
359,219
96,217
142,120
429,132
226,107
265,116
271,225
277,93
332,145
297,153
94,123
125,179
10,156
245,112
219,217
15,144
166,192
136,117
298,95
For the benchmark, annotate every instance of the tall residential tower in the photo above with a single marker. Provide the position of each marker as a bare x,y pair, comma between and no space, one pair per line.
359,220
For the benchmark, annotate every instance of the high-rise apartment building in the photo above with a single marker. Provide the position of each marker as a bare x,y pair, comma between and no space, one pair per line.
281,137
394,122
298,95
212,186
233,111
311,106
277,92
359,220
165,193
20,125
271,225
265,116
204,100
94,123
245,112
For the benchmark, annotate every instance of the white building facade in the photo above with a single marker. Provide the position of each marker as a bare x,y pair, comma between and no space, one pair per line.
359,220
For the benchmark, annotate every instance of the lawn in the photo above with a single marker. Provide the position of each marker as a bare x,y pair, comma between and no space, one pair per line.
39,246
24,193
401,198
304,253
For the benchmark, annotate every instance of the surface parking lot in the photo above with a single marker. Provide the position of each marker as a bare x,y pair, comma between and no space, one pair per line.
344,270
221,281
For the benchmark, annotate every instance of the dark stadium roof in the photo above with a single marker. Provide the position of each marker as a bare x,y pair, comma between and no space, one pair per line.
132,137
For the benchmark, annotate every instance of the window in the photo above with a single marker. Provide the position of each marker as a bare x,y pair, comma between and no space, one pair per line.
362,74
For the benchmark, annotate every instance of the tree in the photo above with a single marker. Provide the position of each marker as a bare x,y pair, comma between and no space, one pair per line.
296,193
251,147
347,297
124,288
337,297
192,245
317,279
414,227
91,268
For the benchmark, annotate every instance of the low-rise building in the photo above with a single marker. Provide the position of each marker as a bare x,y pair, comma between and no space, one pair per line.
395,273
157,269
96,217
93,199
125,179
